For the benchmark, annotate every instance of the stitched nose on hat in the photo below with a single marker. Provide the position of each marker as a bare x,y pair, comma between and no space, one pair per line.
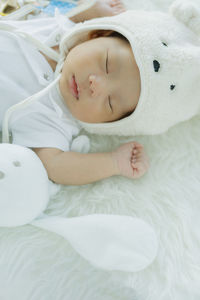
156,65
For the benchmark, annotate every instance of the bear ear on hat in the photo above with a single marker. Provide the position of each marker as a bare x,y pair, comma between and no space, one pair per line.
188,13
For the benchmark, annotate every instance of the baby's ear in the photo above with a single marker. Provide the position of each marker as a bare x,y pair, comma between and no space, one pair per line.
187,12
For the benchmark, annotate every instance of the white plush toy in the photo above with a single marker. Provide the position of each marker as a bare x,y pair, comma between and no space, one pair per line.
109,242
24,190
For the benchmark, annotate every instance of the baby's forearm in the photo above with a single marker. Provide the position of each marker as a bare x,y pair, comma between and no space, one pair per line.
73,168
87,14
81,17
75,19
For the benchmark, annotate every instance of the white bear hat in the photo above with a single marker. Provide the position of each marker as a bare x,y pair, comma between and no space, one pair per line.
167,52
168,56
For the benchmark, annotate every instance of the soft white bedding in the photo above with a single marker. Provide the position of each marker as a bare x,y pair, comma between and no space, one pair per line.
38,265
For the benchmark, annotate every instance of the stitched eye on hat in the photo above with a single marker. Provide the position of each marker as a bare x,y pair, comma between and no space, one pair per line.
172,86
156,65
164,44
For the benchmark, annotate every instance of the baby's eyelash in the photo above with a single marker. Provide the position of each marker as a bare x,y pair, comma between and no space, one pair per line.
107,64
109,101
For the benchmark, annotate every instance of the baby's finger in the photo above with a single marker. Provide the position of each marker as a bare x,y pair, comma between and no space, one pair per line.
134,161
134,158
139,165
120,6
138,144
138,158
141,157
134,144
136,173
138,155
140,149
141,154
144,166
116,2
135,151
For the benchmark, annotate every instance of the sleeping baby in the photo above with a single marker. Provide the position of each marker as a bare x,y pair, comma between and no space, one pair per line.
135,73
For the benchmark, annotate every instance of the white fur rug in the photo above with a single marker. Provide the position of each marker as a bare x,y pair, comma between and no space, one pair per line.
38,265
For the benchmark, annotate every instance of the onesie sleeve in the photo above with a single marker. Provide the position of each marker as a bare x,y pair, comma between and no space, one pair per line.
37,130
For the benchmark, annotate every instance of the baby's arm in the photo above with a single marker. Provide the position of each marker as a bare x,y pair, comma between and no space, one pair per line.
74,168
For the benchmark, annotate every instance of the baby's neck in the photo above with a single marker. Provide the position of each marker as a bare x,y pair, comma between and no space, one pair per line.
52,62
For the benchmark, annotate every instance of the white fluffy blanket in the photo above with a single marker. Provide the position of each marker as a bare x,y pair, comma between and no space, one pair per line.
38,265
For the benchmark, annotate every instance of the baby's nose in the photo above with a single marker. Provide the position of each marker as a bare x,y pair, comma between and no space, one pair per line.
95,85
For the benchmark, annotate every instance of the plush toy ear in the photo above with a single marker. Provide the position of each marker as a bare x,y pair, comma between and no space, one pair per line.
109,242
187,12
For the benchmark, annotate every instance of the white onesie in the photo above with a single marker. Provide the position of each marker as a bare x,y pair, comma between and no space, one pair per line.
24,71
44,123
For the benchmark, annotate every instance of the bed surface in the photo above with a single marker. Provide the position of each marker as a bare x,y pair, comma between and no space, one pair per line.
39,265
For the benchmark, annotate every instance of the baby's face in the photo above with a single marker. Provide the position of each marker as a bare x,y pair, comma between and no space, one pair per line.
107,77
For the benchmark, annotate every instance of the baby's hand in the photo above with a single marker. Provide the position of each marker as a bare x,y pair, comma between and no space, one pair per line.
100,8
139,161
104,8
131,160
